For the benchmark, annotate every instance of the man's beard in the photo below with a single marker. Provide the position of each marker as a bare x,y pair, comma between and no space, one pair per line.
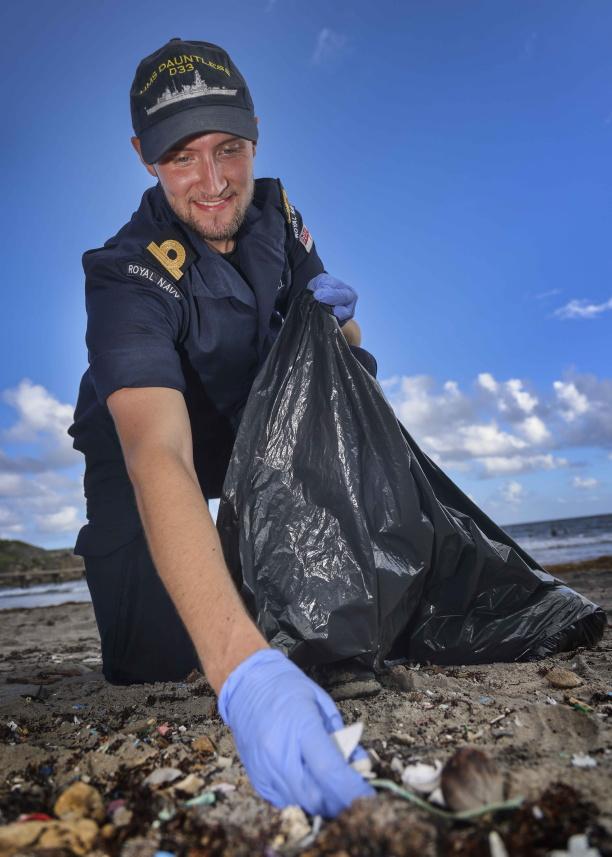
223,231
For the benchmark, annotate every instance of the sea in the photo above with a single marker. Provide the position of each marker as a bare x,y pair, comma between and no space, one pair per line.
549,543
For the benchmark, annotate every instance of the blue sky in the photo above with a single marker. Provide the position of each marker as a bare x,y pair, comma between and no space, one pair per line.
453,161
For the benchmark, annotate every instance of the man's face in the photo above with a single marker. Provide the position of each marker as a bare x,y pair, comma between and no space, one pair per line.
208,182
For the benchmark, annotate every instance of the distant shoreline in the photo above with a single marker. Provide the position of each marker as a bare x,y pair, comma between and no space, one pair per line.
38,576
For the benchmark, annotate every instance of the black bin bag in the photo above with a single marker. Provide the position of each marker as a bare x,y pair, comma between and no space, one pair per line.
346,540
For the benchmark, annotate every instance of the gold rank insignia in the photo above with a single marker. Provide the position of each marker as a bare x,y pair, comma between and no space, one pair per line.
171,254
285,202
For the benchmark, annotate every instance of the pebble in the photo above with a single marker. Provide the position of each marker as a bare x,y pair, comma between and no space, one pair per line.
470,779
294,824
160,776
76,837
559,677
190,785
203,744
80,800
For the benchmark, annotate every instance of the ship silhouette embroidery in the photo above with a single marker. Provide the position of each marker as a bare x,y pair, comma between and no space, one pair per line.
196,89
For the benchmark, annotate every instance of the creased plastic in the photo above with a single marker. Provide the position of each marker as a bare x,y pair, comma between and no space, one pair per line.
346,540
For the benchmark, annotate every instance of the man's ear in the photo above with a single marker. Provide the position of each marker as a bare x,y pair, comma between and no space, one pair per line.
149,167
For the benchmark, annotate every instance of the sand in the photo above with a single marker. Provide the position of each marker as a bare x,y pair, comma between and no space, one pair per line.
60,723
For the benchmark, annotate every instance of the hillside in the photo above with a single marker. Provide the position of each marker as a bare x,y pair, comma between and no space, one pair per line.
16,556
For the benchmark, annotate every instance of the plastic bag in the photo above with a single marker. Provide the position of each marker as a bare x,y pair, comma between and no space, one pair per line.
346,540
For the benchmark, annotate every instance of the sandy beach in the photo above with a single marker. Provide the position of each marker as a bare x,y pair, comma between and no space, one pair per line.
60,723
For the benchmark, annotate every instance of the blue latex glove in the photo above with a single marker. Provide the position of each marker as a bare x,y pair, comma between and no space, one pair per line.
281,722
329,290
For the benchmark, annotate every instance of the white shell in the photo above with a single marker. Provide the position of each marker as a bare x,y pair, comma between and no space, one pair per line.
421,777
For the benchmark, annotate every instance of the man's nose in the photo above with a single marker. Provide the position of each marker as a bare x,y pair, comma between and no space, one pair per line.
210,177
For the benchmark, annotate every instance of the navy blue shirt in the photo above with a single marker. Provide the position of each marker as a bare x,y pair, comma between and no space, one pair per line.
165,310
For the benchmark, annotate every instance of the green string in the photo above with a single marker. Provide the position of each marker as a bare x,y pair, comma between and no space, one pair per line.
465,814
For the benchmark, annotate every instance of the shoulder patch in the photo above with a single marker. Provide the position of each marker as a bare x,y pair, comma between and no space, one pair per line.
143,272
173,252
289,211
306,239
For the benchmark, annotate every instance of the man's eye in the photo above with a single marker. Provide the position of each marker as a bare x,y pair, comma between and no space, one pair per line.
181,159
231,150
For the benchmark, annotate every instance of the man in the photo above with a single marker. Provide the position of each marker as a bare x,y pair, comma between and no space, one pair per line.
183,305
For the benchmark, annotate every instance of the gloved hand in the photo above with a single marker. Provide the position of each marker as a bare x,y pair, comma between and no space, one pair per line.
281,722
329,290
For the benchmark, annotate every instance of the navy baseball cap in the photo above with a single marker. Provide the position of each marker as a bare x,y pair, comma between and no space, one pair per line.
187,88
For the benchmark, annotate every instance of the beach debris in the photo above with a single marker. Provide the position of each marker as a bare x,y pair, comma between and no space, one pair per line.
164,854
161,776
496,845
470,779
577,846
190,785
347,739
207,798
80,800
222,788
294,825
421,777
486,700
122,817
224,762
582,760
35,816
163,729
579,705
203,744
551,701
559,677
77,836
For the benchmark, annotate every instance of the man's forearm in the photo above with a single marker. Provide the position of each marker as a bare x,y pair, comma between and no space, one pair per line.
187,553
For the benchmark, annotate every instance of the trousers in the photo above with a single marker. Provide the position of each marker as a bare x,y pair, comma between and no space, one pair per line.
142,636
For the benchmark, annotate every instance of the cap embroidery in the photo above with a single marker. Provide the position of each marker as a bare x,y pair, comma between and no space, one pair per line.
198,88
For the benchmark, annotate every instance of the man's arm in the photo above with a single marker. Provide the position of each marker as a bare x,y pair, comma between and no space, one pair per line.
155,434
280,719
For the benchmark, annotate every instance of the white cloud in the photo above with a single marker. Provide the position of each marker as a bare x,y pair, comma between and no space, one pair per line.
488,382
62,521
574,402
475,441
513,464
534,430
584,482
328,45
583,309
38,413
512,492
42,491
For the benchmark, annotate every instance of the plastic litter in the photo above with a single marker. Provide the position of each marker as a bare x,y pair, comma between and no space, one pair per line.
347,740
205,799
346,540
577,846
582,760
496,845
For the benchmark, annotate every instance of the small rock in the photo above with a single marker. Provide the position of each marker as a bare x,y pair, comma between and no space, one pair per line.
122,817
559,677
80,800
203,744
190,785
294,824
224,762
470,779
